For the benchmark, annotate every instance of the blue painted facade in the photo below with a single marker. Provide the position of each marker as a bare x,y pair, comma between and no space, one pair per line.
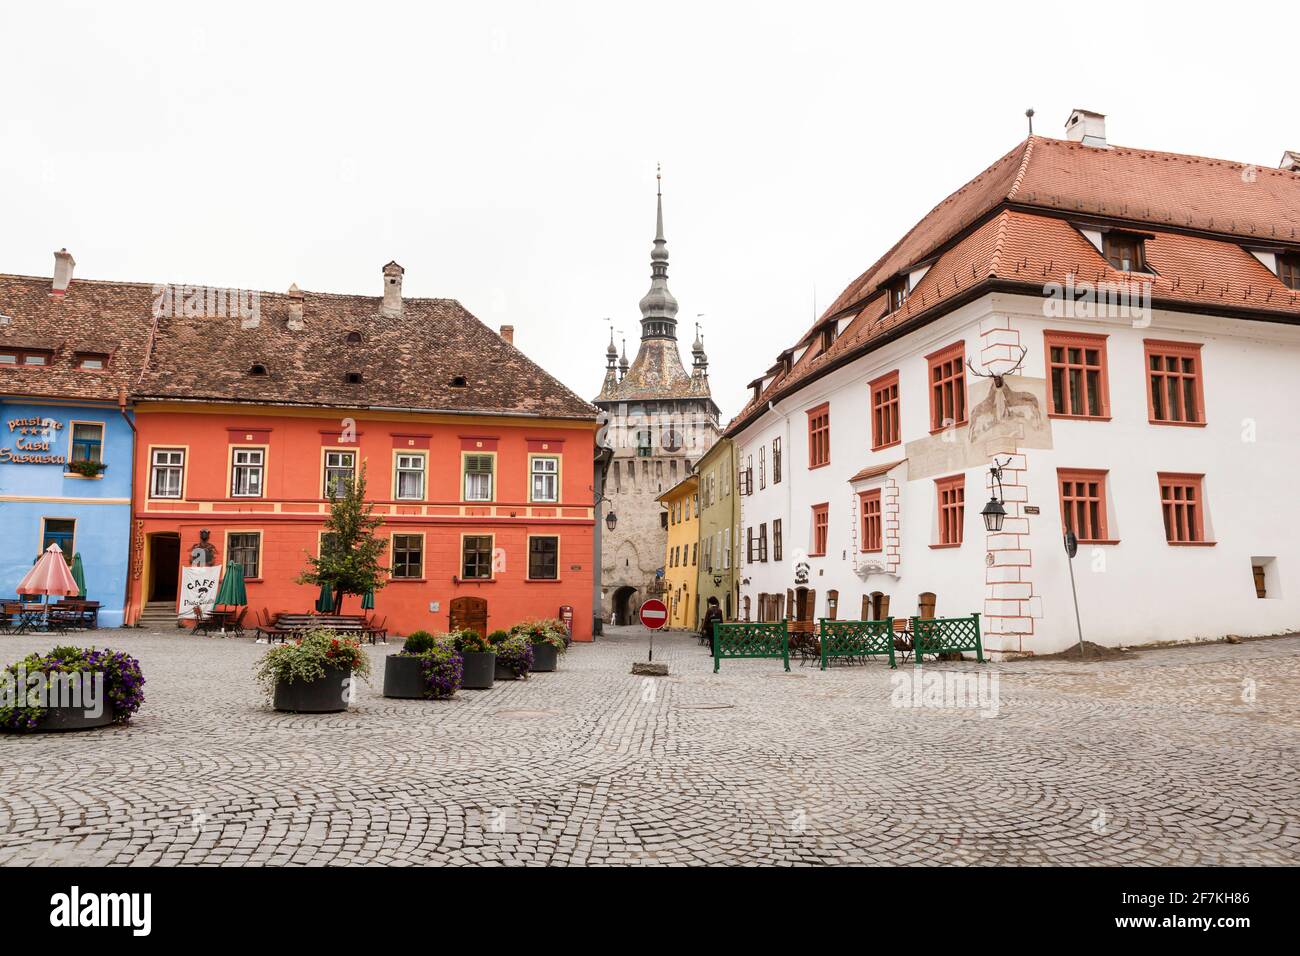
42,499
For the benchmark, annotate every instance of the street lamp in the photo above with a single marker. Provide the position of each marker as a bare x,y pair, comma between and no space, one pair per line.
611,521
993,512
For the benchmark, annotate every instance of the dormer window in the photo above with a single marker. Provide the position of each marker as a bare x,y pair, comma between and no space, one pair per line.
91,361
1288,270
896,294
354,378
827,337
257,369
1124,252
31,358
353,338
459,382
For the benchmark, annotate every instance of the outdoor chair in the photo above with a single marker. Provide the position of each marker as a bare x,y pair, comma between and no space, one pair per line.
235,624
267,627
376,630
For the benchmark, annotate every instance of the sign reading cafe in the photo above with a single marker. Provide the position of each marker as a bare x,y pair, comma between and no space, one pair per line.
33,442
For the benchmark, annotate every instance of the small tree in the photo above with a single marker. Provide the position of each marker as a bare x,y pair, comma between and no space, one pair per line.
350,551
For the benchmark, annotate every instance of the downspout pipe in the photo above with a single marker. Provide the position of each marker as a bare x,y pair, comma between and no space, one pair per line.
130,520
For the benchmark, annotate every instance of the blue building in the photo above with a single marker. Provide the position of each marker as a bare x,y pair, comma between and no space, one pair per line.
68,355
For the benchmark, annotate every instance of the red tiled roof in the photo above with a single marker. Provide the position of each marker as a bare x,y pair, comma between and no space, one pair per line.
874,471
992,230
408,362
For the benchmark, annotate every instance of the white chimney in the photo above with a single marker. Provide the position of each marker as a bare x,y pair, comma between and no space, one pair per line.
63,266
1086,127
392,307
1290,161
508,333
296,323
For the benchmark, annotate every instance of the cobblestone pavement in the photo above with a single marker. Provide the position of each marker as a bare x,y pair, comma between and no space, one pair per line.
1166,758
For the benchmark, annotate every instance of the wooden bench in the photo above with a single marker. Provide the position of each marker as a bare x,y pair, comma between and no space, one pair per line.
353,624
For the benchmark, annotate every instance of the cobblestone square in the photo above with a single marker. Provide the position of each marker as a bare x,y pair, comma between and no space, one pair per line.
1181,756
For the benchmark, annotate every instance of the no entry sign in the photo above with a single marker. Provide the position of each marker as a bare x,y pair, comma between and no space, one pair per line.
654,614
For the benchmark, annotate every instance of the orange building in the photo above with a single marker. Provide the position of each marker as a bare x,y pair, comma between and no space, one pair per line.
479,462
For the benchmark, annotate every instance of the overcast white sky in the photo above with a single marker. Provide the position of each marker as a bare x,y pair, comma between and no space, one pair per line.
504,153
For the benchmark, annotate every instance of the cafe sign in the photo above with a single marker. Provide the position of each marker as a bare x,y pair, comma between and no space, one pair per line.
33,442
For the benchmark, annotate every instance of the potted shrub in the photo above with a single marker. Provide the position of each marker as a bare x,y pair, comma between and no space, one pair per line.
312,674
547,635
478,657
442,669
70,688
514,657
404,671
87,469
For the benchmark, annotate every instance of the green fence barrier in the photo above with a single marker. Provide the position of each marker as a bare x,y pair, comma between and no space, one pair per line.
854,640
942,635
745,639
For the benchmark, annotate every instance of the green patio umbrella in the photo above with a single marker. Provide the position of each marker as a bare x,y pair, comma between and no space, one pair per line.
368,600
325,603
232,592
79,575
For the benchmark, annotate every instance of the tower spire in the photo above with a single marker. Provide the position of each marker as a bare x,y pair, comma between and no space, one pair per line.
658,307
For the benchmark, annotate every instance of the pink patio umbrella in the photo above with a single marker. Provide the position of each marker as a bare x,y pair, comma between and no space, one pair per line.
49,575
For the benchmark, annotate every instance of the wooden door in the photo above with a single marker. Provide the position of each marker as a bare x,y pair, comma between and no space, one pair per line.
469,613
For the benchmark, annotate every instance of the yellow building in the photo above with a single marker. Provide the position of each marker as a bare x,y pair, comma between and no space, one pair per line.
682,558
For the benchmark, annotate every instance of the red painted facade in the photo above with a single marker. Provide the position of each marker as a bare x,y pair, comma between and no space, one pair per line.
260,473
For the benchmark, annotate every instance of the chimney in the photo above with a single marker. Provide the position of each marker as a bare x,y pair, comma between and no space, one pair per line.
392,307
1290,161
1087,127
296,322
508,333
63,266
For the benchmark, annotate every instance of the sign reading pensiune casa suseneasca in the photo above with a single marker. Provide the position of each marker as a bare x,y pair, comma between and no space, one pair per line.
33,442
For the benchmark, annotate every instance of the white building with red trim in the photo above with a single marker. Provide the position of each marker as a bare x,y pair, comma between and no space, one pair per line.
1117,330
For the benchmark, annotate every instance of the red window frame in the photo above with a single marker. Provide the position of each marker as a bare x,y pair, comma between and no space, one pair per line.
1091,375
947,381
884,411
950,494
1083,503
820,526
1185,377
872,534
819,436
1182,506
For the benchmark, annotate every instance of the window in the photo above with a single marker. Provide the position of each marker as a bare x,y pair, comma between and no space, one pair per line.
410,478
695,554
762,467
952,509
820,521
1083,503
31,358
644,444
1183,504
749,545
408,556
340,468
726,549
91,361
1288,270
819,436
1076,365
476,557
1174,393
244,548
60,531
776,461
762,542
871,534
776,539
884,411
168,472
478,477
1123,252
87,441
546,479
247,466
947,387
895,294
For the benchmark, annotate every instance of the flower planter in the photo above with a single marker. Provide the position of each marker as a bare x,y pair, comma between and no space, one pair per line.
325,695
545,657
58,720
505,673
480,667
403,677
